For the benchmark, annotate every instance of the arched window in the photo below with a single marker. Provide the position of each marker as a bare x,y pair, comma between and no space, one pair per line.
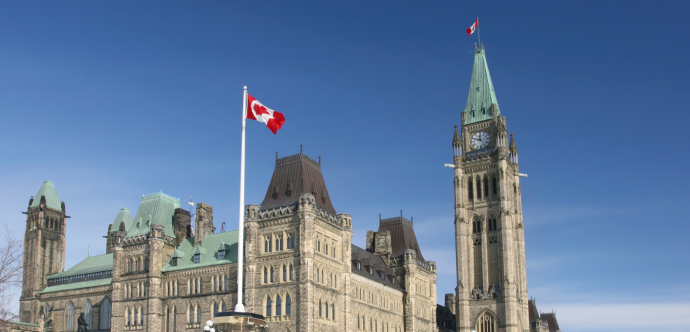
266,241
88,313
326,248
46,311
279,308
284,272
129,265
320,308
269,304
359,326
495,185
479,188
279,243
136,316
486,323
486,187
127,318
492,224
333,311
190,314
318,245
69,317
213,309
326,307
271,276
291,272
317,275
222,306
470,190
265,275
288,305
198,313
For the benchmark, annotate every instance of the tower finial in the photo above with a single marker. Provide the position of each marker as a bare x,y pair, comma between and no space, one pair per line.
276,155
319,160
300,148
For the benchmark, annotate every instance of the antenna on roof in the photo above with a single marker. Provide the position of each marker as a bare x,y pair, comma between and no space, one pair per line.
379,217
300,148
222,227
401,214
319,160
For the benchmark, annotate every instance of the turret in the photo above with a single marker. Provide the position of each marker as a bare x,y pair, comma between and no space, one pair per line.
204,223
457,144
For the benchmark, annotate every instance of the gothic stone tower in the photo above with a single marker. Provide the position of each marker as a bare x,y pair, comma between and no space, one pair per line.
44,247
489,237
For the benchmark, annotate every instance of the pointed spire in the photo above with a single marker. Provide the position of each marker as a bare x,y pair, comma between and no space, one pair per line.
481,100
457,143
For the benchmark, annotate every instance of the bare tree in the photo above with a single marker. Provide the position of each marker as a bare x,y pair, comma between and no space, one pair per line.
10,274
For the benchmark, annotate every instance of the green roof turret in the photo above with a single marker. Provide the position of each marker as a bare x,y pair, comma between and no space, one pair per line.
481,100
52,199
124,216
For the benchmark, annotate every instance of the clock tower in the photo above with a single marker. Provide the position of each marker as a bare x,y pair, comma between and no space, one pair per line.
489,235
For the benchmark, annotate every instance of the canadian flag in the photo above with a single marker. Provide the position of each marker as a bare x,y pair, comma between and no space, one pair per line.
257,111
474,26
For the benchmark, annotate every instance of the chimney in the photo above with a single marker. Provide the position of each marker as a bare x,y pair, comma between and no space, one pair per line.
204,222
450,302
370,241
181,225
382,245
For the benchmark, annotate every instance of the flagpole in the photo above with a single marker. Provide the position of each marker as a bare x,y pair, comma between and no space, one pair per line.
239,307
479,37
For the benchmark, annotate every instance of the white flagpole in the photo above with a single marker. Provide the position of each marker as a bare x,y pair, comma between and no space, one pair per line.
239,307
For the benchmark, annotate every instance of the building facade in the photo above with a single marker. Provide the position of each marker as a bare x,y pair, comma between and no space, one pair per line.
160,273
491,293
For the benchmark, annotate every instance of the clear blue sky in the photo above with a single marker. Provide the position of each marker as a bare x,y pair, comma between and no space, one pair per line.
112,100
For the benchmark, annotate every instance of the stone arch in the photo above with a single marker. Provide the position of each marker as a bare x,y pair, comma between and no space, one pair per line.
486,321
69,317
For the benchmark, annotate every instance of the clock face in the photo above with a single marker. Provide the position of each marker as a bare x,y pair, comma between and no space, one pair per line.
479,140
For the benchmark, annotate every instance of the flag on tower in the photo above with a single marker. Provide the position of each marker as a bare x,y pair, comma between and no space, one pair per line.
257,111
474,26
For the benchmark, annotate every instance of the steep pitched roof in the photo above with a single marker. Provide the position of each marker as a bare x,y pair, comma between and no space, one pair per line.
402,236
155,209
550,318
208,250
125,216
52,199
91,264
295,175
482,95
368,258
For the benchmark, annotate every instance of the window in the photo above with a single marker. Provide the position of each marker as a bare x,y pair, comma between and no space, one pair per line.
270,245
486,323
279,243
486,187
284,272
198,313
69,317
326,248
197,258
479,189
492,224
470,190
326,310
333,311
359,265
221,254
333,251
318,246
174,261
494,183
279,310
371,270
476,226
288,305
291,241
190,314
106,309
271,276
291,273
317,275
483,110
269,304
319,308
88,312
383,275
265,275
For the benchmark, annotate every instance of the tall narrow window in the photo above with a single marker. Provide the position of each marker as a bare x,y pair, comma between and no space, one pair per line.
478,274
106,309
291,273
198,313
222,307
320,308
326,309
486,187
495,185
269,304
88,312
470,190
284,272
271,275
69,317
279,308
270,245
486,323
479,188
278,243
333,311
288,305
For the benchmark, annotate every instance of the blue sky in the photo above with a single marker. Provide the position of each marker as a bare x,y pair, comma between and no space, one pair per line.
113,100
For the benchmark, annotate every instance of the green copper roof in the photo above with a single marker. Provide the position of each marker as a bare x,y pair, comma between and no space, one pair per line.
155,209
78,285
89,265
208,250
482,94
125,216
52,199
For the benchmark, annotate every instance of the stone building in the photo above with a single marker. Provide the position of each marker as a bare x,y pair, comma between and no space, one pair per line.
302,271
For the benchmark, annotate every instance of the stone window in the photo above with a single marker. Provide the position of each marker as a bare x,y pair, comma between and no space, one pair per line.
326,307
279,243
383,275
265,275
486,323
69,317
279,309
221,254
291,241
291,273
492,224
333,311
495,185
486,187
271,275
320,308
284,272
174,261
288,305
470,190
106,309
479,188
197,258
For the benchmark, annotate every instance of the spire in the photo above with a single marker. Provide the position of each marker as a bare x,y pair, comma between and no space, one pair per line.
52,199
481,100
457,143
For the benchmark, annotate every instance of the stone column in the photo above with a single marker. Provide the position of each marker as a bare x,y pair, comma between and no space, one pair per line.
410,266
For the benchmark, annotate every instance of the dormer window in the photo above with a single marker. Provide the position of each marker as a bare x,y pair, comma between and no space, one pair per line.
371,270
221,254
359,265
483,110
383,275
197,258
174,261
